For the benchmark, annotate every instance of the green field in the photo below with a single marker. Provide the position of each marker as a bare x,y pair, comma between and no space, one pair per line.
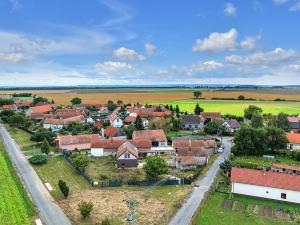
213,213
16,207
236,107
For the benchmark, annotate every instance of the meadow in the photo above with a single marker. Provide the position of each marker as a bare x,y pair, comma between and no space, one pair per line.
15,206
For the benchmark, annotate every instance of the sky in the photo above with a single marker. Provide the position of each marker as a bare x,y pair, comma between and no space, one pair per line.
134,42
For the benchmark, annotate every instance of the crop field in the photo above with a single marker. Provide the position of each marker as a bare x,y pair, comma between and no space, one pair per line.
16,207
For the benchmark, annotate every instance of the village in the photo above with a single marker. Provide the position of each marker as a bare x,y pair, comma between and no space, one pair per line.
119,144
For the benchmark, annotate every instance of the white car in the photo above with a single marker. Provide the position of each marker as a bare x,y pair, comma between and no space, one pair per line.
220,150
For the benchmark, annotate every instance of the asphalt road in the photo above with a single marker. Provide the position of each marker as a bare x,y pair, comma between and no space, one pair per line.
49,211
188,209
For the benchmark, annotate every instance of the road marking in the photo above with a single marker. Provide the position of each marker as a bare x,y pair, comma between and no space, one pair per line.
38,222
48,186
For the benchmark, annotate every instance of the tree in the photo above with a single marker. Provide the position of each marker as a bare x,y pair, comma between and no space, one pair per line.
45,147
17,120
198,109
85,208
280,121
120,102
257,121
251,110
250,141
63,188
37,100
76,101
226,167
111,106
139,123
241,97
129,131
155,166
212,127
81,162
197,94
41,134
276,138
177,110
38,159
176,124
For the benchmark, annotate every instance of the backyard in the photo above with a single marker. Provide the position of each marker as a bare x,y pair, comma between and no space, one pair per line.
243,210
15,207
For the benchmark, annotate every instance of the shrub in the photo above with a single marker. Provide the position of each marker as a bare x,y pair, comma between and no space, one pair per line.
155,166
38,159
63,188
85,208
45,147
106,221
297,156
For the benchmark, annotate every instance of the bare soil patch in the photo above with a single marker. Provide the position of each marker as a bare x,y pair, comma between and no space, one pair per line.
227,204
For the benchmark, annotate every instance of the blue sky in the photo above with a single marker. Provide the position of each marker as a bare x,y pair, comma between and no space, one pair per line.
107,42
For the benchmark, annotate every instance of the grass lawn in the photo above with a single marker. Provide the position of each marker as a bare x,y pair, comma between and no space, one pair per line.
236,107
16,208
260,161
58,169
213,213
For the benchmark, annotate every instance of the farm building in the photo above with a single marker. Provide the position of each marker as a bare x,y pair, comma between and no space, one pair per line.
294,123
37,112
191,122
276,167
80,142
115,133
58,124
266,184
293,141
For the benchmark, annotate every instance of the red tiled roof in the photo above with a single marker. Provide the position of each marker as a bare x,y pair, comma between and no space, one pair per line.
112,144
9,106
293,138
130,119
113,116
43,108
23,104
111,131
282,166
265,178
77,139
66,121
187,160
153,135
196,148
127,147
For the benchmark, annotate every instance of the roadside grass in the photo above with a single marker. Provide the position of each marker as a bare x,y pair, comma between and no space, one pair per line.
213,213
57,169
16,207
236,107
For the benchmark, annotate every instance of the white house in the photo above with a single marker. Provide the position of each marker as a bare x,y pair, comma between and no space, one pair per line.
115,120
266,184
233,125
293,141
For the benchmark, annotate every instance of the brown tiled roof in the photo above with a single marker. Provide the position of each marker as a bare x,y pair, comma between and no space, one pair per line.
43,108
63,121
113,116
127,147
77,139
190,147
293,138
111,131
112,144
234,124
287,167
130,119
265,178
153,135
210,115
187,160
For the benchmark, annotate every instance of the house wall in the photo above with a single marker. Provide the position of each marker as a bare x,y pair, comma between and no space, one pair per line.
265,192
97,152
191,126
127,163
293,146
117,122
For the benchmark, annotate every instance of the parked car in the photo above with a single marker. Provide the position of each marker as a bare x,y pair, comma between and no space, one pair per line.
220,150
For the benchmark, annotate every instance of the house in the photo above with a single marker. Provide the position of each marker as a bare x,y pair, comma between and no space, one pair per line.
159,142
37,112
12,107
191,153
153,111
109,147
266,184
80,142
115,120
66,113
191,122
280,168
115,133
127,156
131,120
293,141
206,117
58,124
294,123
233,125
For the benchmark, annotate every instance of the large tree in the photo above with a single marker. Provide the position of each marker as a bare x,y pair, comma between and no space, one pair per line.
251,110
280,121
139,123
197,94
81,162
76,101
198,109
155,166
45,147
212,127
250,141
276,138
257,121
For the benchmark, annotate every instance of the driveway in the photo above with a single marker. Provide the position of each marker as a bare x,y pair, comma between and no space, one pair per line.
50,212
188,209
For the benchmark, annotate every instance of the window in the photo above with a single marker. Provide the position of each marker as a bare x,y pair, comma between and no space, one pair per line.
283,195
267,192
127,155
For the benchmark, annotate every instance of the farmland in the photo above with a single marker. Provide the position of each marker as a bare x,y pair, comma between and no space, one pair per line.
15,207
183,97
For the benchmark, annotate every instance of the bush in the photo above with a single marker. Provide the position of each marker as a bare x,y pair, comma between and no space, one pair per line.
106,221
38,159
85,208
297,156
63,188
155,166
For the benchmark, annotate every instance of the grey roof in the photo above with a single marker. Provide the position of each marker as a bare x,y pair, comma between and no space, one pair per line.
191,119
234,124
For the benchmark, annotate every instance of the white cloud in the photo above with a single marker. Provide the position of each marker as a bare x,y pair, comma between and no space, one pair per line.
15,4
110,67
128,54
295,7
230,9
249,43
278,55
217,42
150,49
12,57
280,2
